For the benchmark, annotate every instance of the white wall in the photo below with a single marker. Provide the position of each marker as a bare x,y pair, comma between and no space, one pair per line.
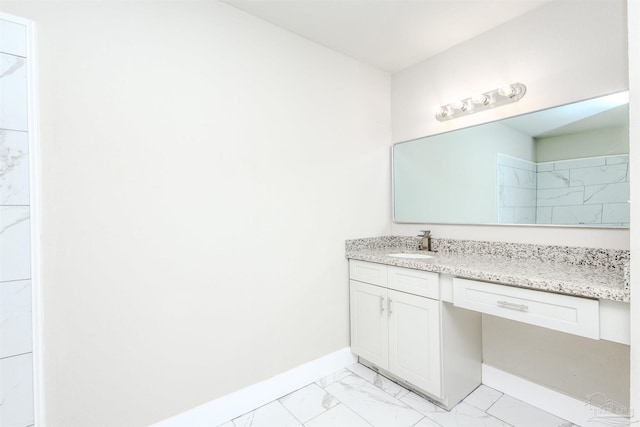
563,52
201,170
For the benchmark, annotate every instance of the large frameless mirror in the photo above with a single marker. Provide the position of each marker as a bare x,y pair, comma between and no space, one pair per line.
567,165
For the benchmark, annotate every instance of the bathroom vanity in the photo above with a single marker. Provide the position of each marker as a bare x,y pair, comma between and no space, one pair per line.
401,327
419,321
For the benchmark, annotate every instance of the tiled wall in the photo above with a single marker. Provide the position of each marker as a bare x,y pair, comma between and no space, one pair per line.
592,191
517,200
16,378
584,191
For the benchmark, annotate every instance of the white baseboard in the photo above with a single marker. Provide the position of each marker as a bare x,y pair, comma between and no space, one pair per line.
242,401
577,411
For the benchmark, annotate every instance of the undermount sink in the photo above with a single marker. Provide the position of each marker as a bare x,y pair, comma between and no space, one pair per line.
413,256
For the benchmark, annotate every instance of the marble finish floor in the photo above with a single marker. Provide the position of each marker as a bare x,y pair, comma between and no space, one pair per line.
359,397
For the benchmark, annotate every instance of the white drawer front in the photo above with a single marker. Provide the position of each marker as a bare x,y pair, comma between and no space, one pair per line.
574,315
415,282
368,272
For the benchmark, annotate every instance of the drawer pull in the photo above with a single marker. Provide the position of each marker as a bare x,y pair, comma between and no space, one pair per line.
513,306
381,304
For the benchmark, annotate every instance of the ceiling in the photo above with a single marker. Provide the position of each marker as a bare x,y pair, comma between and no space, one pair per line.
388,34
597,113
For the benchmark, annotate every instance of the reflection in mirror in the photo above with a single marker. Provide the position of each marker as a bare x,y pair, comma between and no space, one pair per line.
567,165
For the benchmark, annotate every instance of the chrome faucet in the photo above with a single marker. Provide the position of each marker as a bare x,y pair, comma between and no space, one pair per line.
425,243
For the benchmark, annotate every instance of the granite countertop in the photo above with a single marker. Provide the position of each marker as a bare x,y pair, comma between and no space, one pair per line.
592,281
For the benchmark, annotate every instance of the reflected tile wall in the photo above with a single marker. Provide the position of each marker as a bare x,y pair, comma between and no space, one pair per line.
561,196
585,214
517,183
593,191
606,193
553,179
613,213
598,175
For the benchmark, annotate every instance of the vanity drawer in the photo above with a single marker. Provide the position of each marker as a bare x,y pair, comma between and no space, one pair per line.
422,283
368,272
574,315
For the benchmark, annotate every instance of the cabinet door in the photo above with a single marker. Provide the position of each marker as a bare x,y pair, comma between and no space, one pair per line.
369,323
414,340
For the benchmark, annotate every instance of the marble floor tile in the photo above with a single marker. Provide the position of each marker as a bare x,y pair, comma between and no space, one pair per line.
349,398
378,380
465,415
518,413
270,415
374,405
421,404
308,402
338,416
336,376
427,422
483,397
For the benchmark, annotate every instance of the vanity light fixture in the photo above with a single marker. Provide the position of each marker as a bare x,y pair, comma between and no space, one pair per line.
483,101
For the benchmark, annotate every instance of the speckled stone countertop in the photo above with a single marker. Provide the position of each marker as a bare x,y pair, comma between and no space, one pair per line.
587,272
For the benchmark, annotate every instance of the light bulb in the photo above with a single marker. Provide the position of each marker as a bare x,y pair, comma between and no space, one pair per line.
480,98
443,112
507,90
460,105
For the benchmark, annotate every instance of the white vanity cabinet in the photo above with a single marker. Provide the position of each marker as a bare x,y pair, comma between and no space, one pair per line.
565,313
400,327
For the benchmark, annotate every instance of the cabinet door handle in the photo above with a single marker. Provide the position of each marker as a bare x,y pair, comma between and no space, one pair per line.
389,306
513,306
381,304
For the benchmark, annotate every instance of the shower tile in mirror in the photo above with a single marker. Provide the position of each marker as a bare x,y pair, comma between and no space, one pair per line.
616,213
553,179
586,214
614,160
598,175
517,198
606,193
596,191
586,162
561,196
526,215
